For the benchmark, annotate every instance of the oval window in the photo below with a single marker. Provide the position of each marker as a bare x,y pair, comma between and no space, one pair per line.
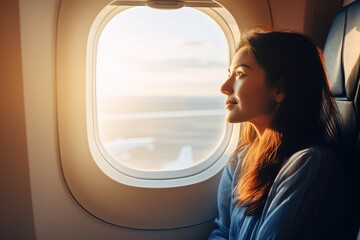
156,99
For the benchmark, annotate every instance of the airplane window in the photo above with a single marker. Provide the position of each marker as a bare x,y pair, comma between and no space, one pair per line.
157,76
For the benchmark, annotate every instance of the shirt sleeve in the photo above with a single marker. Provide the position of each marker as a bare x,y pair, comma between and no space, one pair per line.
295,199
222,222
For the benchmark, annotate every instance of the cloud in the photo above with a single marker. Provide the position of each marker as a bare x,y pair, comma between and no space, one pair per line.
178,63
178,42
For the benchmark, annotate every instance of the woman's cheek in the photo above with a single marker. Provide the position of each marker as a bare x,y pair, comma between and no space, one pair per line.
238,86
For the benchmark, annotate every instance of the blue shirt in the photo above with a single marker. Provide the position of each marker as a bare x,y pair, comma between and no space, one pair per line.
305,201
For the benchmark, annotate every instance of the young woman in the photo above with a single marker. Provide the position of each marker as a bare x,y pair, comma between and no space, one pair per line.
284,180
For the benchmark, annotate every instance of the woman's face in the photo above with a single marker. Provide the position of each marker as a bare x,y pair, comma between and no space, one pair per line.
249,97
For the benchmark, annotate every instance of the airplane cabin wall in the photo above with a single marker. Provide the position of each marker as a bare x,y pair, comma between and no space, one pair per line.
311,17
29,144
16,217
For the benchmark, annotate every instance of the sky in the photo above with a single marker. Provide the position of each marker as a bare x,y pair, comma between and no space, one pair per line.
150,52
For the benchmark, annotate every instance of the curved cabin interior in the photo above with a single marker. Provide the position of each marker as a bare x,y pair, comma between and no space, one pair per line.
111,117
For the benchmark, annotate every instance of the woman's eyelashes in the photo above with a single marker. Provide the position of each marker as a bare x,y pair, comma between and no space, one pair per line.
240,75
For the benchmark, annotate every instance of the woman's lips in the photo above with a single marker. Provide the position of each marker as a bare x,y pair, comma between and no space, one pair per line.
230,103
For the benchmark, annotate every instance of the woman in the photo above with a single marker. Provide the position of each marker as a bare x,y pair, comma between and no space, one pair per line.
284,180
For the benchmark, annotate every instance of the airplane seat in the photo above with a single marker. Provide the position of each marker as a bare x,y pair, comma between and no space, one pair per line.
342,51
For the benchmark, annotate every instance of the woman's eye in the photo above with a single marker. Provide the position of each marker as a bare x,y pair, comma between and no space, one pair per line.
240,75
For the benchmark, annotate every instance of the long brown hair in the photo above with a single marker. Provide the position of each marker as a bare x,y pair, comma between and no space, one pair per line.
307,116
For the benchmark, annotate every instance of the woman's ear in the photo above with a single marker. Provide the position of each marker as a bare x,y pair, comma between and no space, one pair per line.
279,93
279,96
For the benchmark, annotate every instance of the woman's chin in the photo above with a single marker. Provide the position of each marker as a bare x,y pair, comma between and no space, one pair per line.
231,119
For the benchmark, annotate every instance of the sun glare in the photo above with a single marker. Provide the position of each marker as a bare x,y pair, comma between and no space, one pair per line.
148,52
158,74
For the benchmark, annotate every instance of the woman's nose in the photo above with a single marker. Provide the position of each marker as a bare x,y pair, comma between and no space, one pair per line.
227,87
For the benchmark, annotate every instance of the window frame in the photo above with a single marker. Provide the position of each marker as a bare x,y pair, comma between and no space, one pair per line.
162,178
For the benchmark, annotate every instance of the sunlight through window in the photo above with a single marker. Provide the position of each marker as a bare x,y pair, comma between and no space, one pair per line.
158,75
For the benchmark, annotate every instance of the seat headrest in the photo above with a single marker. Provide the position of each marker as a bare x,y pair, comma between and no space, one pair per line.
342,52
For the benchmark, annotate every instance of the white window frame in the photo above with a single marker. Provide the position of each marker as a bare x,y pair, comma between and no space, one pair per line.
163,178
